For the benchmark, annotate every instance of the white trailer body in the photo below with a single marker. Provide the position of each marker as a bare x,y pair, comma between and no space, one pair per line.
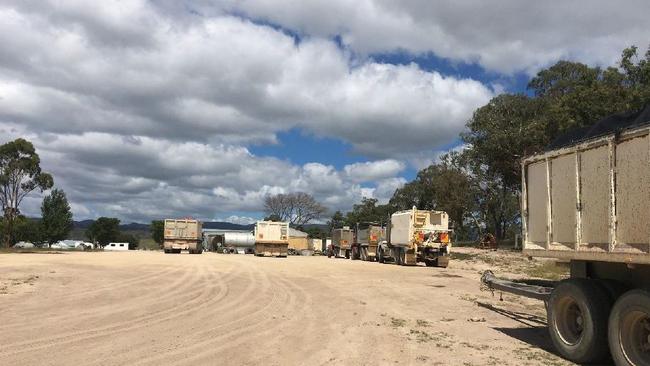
587,204
417,236
590,201
271,238
182,234
342,240
116,247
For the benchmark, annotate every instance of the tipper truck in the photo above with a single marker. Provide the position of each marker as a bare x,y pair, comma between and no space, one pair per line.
366,240
585,201
416,236
271,238
342,240
183,234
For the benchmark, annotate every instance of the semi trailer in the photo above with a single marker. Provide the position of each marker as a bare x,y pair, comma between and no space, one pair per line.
414,236
366,239
585,202
271,238
342,240
183,234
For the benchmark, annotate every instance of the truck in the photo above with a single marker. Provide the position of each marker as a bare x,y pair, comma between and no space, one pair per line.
342,240
366,239
271,239
416,236
183,234
585,202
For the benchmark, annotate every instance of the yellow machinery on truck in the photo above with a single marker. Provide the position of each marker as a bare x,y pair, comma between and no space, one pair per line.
183,234
416,236
271,238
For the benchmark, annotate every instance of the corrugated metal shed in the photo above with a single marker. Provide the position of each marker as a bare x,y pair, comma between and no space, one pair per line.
293,233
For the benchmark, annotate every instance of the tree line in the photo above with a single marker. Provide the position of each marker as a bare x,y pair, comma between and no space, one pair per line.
479,185
20,175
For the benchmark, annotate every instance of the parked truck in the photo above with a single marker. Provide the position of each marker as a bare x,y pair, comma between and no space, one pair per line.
271,238
586,201
366,239
416,236
342,240
183,234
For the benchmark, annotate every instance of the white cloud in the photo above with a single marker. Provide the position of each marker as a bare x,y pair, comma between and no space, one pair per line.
505,36
145,109
215,79
240,220
371,171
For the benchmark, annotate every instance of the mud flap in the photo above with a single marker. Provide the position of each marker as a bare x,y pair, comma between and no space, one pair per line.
411,258
443,261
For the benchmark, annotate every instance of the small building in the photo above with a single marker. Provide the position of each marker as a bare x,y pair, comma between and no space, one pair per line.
117,247
298,240
317,244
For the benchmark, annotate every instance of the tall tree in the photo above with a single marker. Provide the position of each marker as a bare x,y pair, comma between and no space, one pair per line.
56,216
368,211
444,186
157,229
104,230
20,174
336,221
297,208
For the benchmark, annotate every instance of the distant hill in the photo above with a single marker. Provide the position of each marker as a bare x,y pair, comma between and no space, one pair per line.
81,226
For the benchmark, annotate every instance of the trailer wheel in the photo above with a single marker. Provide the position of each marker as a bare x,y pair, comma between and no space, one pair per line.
578,312
629,329
380,255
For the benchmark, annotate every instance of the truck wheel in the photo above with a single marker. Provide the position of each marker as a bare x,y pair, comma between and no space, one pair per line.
166,251
578,311
347,254
629,329
380,255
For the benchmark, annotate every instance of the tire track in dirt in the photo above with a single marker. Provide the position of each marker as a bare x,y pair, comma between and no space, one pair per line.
185,274
204,293
249,311
290,298
38,313
299,302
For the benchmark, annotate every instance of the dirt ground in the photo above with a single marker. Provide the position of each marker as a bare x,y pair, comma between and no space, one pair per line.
149,308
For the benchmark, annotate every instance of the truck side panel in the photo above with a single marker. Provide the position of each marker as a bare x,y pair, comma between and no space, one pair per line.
563,200
605,216
632,193
401,228
595,196
537,200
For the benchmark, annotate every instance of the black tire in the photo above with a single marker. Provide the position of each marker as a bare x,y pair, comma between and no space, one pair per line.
380,255
402,256
629,329
430,262
347,254
166,251
578,313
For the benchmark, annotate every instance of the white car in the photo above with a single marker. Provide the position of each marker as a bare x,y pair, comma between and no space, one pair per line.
24,245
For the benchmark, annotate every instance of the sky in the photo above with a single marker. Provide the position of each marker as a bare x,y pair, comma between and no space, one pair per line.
144,110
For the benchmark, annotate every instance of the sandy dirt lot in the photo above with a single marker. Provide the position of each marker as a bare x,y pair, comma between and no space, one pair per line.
148,308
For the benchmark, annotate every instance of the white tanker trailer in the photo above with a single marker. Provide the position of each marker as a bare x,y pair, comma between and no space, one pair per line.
234,242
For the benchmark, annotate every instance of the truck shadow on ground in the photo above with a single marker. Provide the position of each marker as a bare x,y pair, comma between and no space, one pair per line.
535,332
